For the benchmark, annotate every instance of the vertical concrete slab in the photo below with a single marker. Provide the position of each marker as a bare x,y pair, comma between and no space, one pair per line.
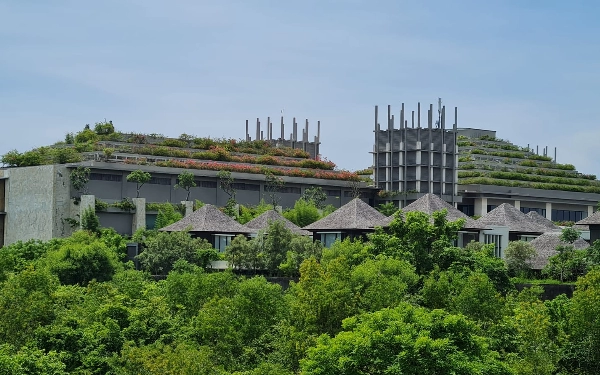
29,199
590,210
548,210
518,205
139,217
480,206
62,202
189,207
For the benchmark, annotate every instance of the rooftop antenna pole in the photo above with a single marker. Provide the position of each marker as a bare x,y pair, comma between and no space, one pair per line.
439,121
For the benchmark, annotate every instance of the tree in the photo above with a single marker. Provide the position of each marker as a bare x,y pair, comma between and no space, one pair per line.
166,216
316,195
518,254
274,185
165,248
387,209
417,238
90,221
303,213
186,181
354,189
83,258
275,245
404,340
570,235
104,128
234,325
569,263
300,249
584,319
140,178
226,183
26,304
79,177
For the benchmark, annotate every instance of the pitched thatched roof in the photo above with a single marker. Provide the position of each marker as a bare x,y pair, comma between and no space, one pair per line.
207,219
507,215
545,247
542,221
262,222
354,215
593,219
430,203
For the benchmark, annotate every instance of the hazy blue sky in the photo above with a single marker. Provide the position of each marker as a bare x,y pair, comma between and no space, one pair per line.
528,69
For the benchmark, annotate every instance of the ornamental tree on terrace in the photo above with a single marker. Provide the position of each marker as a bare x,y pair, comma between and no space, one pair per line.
140,178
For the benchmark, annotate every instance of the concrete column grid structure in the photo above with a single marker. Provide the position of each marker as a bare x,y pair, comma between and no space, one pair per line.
416,160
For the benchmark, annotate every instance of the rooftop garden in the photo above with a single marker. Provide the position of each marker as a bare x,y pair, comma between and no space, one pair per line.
187,151
493,161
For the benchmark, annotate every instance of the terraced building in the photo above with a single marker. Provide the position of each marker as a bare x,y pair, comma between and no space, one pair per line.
492,171
38,199
473,169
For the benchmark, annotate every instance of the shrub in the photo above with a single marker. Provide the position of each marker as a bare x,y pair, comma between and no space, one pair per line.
101,205
104,128
175,143
83,258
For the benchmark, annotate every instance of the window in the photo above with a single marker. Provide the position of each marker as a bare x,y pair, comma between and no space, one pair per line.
526,238
106,177
207,184
566,215
160,181
490,207
244,186
285,190
496,239
363,194
327,239
333,193
467,209
222,241
541,211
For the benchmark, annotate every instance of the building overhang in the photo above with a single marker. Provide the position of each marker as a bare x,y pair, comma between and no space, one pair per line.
214,174
528,194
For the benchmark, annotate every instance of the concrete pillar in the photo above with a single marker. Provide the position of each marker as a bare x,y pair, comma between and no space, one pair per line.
189,207
139,217
590,210
87,201
548,210
518,205
480,206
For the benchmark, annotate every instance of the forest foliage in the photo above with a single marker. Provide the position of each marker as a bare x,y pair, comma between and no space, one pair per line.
402,302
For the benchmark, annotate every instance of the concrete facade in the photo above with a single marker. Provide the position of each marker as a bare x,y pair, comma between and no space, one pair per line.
37,202
414,159
39,199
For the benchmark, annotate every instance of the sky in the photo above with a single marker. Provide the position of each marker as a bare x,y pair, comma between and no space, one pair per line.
529,69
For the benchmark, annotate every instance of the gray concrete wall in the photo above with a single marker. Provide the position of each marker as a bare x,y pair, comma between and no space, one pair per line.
120,221
114,190
30,204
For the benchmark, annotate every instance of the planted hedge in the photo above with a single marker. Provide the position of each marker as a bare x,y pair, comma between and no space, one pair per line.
527,184
247,168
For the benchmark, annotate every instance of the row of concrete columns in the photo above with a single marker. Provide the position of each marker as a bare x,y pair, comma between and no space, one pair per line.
139,216
482,203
